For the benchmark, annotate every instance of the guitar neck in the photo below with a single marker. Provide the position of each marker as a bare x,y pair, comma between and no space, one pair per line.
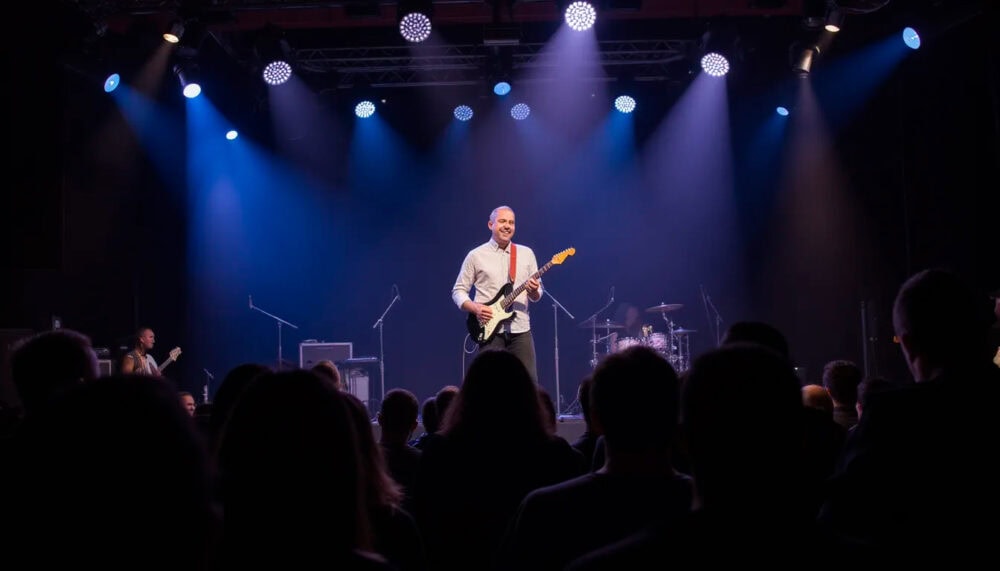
507,301
164,364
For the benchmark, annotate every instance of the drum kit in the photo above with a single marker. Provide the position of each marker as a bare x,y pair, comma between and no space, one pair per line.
674,343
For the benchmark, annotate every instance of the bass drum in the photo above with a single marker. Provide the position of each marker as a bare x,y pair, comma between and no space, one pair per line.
658,342
626,342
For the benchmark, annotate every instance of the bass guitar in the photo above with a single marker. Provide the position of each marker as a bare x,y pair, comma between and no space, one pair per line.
171,357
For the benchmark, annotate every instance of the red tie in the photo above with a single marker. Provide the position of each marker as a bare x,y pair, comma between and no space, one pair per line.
513,262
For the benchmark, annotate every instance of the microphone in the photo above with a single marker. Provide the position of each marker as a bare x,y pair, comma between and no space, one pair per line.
612,294
208,374
395,288
250,298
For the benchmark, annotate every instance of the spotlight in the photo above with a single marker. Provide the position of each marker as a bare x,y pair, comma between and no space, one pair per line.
274,55
715,64
804,60
625,104
277,72
783,111
415,19
911,38
580,16
463,113
415,27
520,111
720,46
175,33
834,21
111,83
365,109
186,75
501,88
231,134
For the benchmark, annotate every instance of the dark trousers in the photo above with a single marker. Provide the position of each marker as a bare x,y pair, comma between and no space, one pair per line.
520,344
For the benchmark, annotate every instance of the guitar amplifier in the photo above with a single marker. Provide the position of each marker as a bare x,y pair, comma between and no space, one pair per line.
356,381
105,367
356,373
311,353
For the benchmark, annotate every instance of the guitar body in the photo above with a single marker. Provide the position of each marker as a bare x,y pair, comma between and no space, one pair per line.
484,333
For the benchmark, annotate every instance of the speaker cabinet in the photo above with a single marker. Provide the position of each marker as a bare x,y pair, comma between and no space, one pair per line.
105,367
357,382
312,353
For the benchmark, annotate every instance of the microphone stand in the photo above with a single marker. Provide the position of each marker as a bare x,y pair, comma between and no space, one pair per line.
280,322
718,320
381,349
556,306
593,326
204,390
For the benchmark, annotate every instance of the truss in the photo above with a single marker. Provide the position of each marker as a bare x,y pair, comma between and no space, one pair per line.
402,66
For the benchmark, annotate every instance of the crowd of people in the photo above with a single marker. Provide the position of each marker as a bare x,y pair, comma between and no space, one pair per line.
733,460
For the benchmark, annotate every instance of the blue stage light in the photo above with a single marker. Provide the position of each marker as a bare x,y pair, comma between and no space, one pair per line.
463,113
520,111
111,83
501,88
783,111
625,103
192,90
911,38
364,109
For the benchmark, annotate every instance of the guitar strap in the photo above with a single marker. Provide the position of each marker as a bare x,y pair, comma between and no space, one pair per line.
512,272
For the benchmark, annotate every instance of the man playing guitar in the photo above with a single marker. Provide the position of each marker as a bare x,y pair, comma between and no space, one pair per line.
138,361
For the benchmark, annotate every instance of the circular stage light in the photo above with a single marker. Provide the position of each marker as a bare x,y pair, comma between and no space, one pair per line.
463,113
111,83
520,111
415,27
277,72
715,64
911,38
580,16
364,109
625,103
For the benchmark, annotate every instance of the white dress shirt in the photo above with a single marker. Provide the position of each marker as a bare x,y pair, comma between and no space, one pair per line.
486,270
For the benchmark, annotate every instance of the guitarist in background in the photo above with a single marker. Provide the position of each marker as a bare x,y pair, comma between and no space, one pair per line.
138,361
487,268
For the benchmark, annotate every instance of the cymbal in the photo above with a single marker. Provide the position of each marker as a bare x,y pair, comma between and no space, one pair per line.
589,323
664,307
684,331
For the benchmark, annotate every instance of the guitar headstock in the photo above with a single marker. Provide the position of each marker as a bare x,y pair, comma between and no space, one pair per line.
174,353
561,256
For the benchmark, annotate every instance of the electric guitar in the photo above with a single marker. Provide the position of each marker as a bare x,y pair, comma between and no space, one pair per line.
483,333
174,353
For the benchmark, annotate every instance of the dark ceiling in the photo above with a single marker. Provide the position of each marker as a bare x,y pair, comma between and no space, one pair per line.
351,42
341,44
